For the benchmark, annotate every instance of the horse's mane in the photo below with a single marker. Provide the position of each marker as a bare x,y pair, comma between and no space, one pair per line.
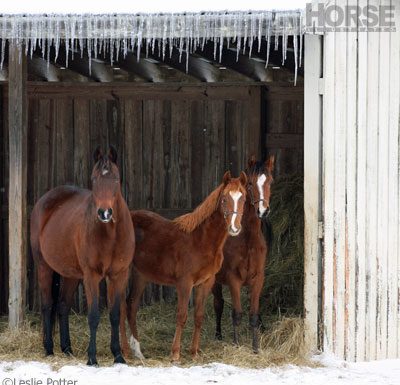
191,221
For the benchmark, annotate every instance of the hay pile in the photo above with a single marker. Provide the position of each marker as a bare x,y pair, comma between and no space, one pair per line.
283,289
281,344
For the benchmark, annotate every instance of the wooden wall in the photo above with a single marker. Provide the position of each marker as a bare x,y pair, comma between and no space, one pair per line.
360,261
174,144
284,123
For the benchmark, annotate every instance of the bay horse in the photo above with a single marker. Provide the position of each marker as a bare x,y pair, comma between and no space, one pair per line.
83,234
245,255
184,253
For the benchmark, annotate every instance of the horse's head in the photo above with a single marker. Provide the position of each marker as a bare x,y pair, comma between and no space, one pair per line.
259,184
105,183
232,200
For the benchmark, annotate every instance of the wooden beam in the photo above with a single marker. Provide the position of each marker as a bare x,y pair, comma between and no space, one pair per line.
154,71
39,67
204,67
250,67
17,219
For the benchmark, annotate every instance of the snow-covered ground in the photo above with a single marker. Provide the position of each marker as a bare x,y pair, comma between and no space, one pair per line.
333,372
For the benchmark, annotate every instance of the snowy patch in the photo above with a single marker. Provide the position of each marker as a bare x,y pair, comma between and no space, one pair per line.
338,372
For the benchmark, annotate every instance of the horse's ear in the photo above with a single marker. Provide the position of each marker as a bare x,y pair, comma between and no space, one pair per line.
243,178
270,163
227,178
252,161
98,154
112,154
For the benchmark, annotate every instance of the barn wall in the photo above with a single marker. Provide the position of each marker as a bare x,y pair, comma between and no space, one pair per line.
361,259
284,126
174,145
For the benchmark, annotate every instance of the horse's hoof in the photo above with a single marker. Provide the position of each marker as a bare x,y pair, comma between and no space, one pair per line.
68,352
119,359
92,362
218,336
175,359
49,353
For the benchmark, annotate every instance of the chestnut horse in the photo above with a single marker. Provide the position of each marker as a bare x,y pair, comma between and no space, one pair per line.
245,255
83,234
184,253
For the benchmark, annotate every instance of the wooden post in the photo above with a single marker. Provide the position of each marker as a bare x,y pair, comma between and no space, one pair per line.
17,120
312,186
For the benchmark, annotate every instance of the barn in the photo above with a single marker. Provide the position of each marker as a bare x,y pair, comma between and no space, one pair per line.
186,96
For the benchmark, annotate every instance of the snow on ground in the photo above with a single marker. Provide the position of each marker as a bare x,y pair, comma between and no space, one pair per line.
334,372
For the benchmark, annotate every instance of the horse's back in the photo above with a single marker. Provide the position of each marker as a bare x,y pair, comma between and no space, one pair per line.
159,245
49,203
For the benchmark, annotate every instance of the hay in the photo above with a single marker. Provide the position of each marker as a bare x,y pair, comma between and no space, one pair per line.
281,344
283,289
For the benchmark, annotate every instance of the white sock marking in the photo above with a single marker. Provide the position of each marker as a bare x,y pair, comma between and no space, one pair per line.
260,183
235,196
135,346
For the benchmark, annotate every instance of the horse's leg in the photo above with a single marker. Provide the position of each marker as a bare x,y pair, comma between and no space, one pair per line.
202,293
218,309
138,284
183,291
45,279
67,291
234,287
122,328
91,282
116,287
255,292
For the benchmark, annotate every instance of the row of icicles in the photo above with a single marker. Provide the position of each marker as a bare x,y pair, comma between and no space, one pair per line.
117,35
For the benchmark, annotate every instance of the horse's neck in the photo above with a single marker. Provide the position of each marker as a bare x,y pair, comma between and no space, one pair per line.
213,231
250,220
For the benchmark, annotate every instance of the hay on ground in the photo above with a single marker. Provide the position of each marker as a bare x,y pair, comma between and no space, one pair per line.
282,343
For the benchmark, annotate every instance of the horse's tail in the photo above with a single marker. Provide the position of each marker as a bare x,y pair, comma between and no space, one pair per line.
55,292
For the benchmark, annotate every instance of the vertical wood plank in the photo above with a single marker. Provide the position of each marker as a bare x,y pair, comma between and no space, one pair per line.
133,160
312,185
394,179
148,156
340,188
253,108
180,156
216,162
17,223
361,281
198,135
383,193
351,198
328,192
372,189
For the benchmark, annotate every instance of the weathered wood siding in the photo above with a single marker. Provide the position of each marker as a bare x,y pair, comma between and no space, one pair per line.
360,187
284,134
174,144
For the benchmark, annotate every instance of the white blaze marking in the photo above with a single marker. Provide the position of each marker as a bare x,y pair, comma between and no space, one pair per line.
104,172
260,184
235,196
135,346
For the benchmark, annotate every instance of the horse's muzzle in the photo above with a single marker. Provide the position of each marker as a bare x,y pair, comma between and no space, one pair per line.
264,214
234,233
105,216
